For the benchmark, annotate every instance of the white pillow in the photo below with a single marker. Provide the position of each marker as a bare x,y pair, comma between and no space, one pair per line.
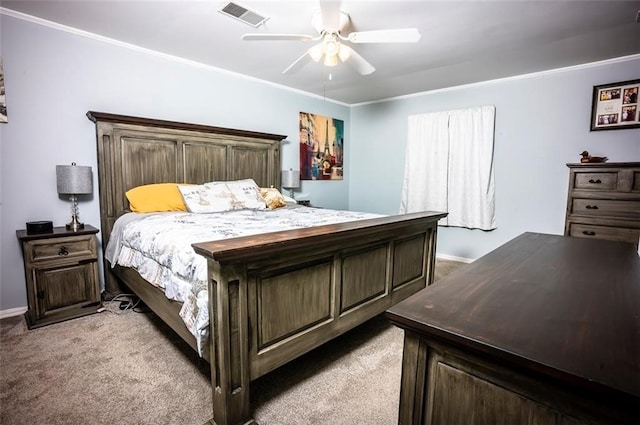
289,200
222,196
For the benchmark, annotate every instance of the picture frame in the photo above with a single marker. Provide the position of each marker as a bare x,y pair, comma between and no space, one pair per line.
615,106
3,102
321,147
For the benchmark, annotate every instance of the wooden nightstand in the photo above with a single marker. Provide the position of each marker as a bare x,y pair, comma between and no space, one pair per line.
61,271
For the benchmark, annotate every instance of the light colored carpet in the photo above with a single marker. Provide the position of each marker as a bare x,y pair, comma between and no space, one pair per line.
130,368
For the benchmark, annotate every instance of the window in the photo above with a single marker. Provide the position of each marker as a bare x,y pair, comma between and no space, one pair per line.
449,167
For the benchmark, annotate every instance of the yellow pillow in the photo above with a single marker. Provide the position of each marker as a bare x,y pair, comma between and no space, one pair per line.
156,198
272,197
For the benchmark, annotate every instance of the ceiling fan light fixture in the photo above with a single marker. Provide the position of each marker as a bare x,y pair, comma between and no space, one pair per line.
316,52
329,22
330,60
331,47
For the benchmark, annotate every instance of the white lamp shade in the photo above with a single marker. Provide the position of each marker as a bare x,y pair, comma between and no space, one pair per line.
74,179
290,178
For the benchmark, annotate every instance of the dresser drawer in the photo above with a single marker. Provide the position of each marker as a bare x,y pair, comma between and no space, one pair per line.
608,208
604,232
72,247
596,181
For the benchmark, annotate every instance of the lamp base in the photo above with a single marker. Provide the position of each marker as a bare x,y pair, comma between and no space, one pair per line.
74,224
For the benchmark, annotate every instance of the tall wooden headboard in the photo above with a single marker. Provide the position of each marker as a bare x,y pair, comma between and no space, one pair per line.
134,151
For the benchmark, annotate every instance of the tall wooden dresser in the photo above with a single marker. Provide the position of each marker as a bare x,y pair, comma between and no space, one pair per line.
604,201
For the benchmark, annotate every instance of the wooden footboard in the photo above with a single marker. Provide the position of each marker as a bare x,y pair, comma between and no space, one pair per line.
273,297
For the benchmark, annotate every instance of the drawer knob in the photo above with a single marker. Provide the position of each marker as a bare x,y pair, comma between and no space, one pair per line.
591,207
597,181
63,251
588,233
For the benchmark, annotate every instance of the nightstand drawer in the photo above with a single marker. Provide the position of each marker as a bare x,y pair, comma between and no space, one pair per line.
604,232
596,181
62,248
606,208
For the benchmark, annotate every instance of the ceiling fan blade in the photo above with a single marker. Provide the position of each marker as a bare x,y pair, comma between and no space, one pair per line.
299,63
330,12
276,37
347,54
405,35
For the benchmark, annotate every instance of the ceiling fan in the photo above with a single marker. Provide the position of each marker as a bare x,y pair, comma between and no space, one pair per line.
329,21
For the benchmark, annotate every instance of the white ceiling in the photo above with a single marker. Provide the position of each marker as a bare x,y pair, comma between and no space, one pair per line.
462,41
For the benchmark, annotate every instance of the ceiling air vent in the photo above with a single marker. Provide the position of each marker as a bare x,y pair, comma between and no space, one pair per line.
243,14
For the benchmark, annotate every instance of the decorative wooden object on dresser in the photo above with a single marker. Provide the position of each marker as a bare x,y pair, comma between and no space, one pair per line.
604,201
61,271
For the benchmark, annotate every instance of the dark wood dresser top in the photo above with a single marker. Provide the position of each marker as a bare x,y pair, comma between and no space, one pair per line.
562,307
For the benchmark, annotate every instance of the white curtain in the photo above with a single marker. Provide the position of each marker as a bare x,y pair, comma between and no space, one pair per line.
449,167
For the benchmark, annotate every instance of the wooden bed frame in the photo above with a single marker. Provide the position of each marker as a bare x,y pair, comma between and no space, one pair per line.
272,297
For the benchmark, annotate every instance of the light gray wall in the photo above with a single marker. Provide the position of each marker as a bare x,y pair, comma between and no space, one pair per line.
54,77
542,123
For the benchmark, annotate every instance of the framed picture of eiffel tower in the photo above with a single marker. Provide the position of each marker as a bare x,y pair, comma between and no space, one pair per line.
321,147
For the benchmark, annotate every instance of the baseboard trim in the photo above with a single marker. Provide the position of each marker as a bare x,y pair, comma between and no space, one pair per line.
12,312
454,258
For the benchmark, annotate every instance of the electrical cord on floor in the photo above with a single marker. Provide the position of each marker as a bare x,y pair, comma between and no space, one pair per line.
123,303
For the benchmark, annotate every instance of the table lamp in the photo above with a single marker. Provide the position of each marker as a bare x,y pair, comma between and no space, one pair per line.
290,180
74,180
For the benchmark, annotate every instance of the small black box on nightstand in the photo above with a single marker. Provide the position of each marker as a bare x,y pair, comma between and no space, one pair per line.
39,227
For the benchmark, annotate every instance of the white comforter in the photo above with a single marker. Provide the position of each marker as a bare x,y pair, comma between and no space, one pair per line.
158,246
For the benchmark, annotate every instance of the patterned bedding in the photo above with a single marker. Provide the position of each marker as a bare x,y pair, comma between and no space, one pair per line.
158,246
